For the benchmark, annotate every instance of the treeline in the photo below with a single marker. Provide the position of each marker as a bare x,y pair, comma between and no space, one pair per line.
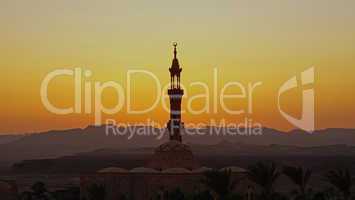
221,186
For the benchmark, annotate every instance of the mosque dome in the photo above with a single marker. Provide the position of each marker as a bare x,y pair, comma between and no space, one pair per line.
173,154
202,170
176,171
112,170
143,170
234,169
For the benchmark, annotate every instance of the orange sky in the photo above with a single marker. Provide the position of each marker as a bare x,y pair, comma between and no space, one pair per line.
247,41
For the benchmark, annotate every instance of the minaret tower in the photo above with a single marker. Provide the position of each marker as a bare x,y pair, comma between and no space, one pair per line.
175,125
174,153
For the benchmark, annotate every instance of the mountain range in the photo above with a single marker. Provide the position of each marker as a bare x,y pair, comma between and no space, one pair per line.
58,143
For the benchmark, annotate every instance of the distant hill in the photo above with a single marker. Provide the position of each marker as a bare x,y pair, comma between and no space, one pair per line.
219,155
9,138
59,143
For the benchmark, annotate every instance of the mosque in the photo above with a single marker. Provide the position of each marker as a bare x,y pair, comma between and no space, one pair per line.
172,165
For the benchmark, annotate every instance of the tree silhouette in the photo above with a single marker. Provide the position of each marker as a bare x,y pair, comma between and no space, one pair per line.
220,182
299,176
264,175
38,192
96,192
341,180
327,194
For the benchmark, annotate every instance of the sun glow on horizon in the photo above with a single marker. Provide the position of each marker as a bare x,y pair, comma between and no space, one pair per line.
246,41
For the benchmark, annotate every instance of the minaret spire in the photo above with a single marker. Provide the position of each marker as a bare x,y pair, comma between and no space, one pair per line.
175,52
175,125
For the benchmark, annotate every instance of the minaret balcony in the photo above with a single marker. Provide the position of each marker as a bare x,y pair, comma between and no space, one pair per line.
176,91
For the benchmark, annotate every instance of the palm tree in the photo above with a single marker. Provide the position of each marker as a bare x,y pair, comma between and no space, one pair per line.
299,176
220,182
96,192
341,180
264,175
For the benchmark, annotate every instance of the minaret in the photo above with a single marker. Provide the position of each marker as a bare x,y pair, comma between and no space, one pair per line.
174,153
175,125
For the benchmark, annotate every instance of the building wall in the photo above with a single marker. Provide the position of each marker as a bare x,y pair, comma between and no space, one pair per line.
146,186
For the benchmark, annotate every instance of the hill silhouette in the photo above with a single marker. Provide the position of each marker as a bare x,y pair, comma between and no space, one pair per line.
59,143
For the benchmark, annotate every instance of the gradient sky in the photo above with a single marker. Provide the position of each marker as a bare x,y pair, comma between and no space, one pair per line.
247,41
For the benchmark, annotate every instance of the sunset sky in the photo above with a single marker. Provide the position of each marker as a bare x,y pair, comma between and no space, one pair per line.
246,41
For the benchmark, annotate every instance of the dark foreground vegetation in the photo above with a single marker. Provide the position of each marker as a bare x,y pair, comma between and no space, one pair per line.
220,186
